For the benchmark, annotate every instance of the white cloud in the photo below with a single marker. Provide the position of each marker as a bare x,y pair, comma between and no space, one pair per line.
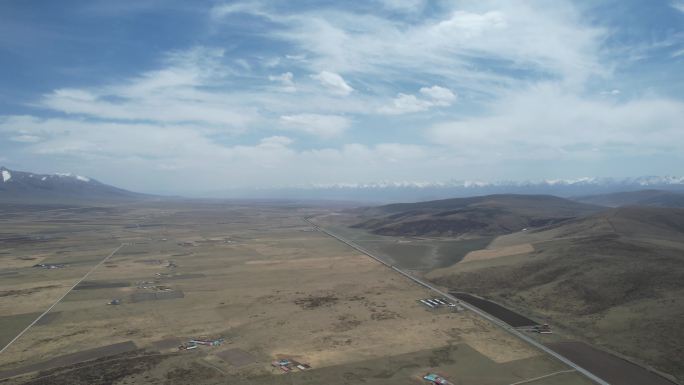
550,123
286,80
198,87
403,5
614,92
552,41
678,5
440,96
75,95
523,74
464,24
296,58
185,90
150,157
222,10
25,138
434,96
405,104
325,126
76,137
334,82
275,141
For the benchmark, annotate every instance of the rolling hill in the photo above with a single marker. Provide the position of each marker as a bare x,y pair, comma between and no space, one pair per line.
476,216
27,187
654,198
613,278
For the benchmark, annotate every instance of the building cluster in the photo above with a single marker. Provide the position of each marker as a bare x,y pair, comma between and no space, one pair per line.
435,303
436,379
196,342
51,265
287,365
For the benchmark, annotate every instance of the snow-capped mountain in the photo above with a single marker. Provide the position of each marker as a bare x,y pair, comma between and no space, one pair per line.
21,186
644,181
411,191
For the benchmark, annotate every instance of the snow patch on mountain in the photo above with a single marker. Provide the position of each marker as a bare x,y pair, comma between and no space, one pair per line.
22,186
70,175
644,181
19,176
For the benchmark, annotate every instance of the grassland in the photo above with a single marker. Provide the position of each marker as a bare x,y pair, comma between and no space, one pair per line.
622,295
415,253
611,279
470,217
254,274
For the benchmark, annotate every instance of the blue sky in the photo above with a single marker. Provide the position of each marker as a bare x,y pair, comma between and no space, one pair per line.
185,97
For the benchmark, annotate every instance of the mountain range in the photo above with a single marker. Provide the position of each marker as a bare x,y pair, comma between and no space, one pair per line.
412,191
28,187
21,186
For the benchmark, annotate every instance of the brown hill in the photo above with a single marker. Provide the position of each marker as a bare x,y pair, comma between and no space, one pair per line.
630,222
653,198
615,278
476,216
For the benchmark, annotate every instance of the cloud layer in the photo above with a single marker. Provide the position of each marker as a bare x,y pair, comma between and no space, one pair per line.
272,94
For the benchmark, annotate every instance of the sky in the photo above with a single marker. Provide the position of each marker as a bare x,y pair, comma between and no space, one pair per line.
191,97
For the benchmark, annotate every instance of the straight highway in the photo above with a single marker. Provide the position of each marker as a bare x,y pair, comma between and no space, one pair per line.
472,308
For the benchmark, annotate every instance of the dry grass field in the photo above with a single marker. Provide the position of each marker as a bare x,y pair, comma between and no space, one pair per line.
612,279
253,274
479,255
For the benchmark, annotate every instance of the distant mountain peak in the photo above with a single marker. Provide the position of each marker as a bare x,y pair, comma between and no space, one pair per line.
412,191
582,181
7,174
70,175
22,186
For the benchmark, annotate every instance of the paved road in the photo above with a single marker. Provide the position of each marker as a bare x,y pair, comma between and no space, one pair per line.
61,298
474,309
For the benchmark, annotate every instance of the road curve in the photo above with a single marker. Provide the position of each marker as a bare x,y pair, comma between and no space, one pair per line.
470,307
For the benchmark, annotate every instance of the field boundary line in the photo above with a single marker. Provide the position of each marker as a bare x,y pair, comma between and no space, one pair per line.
468,306
89,364
61,298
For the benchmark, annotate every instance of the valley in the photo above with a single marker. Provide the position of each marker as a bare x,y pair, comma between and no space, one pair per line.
254,277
